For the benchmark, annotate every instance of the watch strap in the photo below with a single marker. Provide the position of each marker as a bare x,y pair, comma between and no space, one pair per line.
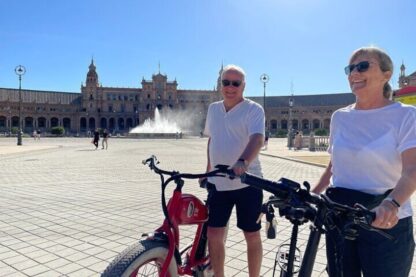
393,201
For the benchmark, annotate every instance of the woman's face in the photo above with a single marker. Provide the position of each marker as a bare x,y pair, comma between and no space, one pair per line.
368,83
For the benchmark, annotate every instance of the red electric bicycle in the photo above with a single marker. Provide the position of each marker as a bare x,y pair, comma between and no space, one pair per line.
158,253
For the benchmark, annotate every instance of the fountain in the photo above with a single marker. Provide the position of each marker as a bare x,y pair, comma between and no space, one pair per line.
160,127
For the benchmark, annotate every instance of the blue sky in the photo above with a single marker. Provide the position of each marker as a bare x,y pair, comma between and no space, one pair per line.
304,42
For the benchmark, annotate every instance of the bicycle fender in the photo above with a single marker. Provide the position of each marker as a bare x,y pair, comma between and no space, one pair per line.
162,237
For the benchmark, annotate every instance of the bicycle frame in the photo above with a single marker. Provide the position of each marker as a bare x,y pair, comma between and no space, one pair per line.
176,206
183,209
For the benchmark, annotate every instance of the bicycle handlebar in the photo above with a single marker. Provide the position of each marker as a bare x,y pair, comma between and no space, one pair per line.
300,204
220,171
287,193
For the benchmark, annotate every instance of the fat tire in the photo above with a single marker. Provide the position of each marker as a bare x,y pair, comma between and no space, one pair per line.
137,255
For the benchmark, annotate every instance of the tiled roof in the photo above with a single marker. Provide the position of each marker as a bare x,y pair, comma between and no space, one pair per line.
338,99
39,96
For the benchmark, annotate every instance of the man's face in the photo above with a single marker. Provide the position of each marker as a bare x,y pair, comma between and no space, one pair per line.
232,87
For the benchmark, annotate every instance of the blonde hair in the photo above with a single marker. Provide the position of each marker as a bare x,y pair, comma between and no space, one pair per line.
384,60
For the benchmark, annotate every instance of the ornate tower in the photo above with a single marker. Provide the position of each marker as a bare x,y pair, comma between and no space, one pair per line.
90,92
403,82
219,78
92,76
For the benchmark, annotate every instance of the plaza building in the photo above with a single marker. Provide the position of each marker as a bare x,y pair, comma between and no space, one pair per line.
308,112
407,84
119,109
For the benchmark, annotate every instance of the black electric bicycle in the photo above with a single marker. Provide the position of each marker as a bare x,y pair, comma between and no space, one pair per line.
299,206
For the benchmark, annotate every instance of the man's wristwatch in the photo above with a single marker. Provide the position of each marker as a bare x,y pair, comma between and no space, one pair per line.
393,201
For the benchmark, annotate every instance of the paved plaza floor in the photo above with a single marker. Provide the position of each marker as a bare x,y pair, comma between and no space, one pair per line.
68,210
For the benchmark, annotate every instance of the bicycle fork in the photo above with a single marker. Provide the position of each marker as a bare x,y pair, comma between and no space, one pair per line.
287,260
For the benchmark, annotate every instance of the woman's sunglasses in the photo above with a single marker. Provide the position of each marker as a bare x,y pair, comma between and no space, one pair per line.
227,83
361,67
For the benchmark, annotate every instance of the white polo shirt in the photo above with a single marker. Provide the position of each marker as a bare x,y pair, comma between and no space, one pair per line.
366,147
230,133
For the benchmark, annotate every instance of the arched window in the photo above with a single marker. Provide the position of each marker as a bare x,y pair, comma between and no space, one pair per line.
273,124
283,123
305,124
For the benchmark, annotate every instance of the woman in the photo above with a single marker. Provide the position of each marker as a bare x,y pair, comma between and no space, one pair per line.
373,159
298,141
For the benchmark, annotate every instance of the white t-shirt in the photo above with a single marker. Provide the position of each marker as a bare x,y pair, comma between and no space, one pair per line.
366,147
230,133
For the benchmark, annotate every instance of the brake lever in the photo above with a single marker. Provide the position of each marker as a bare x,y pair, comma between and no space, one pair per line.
365,220
372,229
149,160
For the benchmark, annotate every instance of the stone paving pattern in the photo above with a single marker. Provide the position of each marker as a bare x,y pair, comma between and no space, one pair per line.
68,210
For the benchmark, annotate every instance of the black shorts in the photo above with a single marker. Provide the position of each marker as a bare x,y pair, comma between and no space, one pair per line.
247,201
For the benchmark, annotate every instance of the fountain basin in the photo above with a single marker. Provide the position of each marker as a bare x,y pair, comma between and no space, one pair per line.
155,135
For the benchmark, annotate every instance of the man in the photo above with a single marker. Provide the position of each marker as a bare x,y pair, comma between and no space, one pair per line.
235,127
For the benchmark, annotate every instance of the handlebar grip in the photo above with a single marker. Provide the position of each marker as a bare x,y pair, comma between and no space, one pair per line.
203,184
370,217
273,187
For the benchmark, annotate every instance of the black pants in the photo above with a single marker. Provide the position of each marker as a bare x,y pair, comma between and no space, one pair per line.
372,254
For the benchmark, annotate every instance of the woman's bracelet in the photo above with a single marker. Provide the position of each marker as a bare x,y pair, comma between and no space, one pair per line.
392,201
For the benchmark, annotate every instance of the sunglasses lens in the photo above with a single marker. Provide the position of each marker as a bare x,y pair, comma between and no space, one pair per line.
362,66
236,84
349,68
226,83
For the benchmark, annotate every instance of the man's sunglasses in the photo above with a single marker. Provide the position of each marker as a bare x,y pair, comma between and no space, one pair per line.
227,83
361,67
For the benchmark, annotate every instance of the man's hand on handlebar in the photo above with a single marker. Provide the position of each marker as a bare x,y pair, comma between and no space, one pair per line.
240,167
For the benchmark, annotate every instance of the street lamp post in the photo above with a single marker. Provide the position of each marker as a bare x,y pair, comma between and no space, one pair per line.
290,127
264,78
20,71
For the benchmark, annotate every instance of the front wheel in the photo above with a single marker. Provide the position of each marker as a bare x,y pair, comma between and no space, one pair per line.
145,258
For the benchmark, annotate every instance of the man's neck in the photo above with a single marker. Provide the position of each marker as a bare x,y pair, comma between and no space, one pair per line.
229,105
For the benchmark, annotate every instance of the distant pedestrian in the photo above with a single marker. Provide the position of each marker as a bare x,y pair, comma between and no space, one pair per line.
34,134
266,141
105,139
96,138
298,141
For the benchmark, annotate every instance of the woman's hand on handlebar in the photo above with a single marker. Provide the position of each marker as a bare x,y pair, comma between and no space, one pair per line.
386,215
